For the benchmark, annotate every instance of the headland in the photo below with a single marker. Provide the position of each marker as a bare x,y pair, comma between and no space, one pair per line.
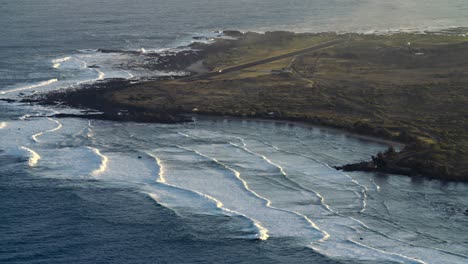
406,87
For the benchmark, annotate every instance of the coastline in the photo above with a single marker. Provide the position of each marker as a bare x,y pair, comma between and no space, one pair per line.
120,100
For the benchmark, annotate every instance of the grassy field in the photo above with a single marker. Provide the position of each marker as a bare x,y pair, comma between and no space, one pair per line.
407,87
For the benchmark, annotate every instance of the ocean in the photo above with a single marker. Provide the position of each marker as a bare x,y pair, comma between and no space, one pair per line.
218,190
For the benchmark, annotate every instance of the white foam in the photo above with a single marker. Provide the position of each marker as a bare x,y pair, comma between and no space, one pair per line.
341,227
394,256
24,117
238,194
30,87
377,187
58,127
58,62
33,156
262,232
101,75
161,178
104,160
363,188
326,236
3,125
130,75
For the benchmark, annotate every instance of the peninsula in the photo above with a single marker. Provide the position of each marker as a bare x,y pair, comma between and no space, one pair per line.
411,88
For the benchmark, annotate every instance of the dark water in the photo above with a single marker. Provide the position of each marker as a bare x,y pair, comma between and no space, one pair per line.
215,191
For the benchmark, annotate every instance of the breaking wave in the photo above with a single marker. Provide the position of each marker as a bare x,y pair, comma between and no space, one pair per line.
33,157
35,137
104,160
262,232
56,63
30,87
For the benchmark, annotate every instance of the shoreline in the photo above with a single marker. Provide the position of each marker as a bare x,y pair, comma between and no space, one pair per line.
177,99
307,124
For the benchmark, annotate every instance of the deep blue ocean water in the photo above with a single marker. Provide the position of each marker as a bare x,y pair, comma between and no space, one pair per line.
214,191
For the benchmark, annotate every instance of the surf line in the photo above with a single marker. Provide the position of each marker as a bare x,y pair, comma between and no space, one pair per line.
104,160
337,213
101,75
364,188
58,62
283,172
161,171
353,219
413,260
58,127
377,187
325,235
29,87
262,232
33,156
402,241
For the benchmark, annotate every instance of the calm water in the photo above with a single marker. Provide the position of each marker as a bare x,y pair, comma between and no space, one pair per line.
213,191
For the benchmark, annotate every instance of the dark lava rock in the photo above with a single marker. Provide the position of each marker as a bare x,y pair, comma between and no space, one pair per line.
8,100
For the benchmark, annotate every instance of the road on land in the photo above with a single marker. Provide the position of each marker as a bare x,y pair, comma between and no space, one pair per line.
263,61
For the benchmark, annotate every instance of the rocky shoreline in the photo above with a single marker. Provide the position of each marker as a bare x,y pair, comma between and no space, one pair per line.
415,159
390,161
95,97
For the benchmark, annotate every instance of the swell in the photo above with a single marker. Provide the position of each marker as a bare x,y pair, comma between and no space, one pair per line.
364,189
101,75
58,127
366,227
362,223
284,174
280,169
435,239
395,255
58,62
104,160
262,232
29,87
33,156
267,202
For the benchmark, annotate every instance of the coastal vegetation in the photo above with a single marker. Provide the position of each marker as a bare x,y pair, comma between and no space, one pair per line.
411,88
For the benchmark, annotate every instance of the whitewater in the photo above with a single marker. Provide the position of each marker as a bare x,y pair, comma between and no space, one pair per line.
217,190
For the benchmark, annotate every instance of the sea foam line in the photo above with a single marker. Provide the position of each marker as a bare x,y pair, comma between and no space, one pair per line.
404,242
29,87
58,127
237,174
323,201
377,187
161,178
413,260
24,117
283,172
90,133
130,75
33,157
262,232
358,221
104,160
101,75
364,188
58,62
